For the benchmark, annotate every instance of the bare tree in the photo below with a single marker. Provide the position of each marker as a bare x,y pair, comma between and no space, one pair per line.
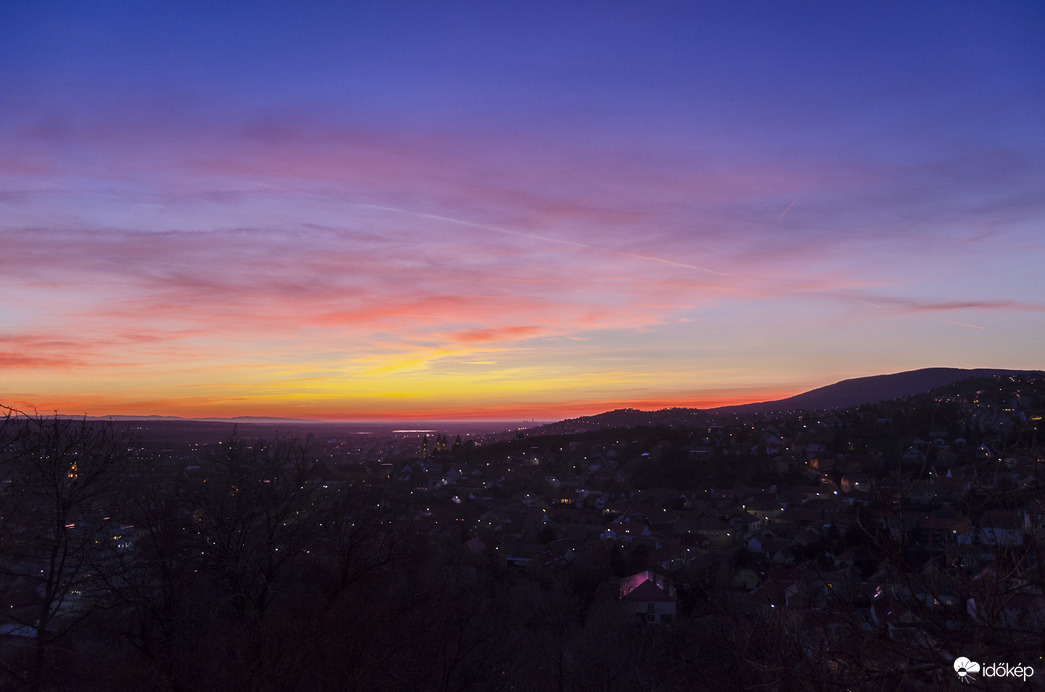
249,519
152,589
358,531
60,477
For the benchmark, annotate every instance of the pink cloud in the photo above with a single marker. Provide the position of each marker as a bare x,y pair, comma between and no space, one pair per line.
29,361
476,336
908,305
292,240
135,297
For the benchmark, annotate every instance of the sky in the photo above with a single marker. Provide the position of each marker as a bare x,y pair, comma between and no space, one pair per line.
504,210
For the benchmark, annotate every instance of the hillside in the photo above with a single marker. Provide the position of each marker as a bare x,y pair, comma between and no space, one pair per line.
852,392
869,390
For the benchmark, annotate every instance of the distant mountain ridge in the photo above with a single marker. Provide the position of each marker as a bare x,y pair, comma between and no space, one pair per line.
869,390
852,392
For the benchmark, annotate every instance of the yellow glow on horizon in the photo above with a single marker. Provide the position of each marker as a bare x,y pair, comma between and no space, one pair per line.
397,393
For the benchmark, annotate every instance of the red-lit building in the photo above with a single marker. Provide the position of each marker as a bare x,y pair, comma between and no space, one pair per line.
649,596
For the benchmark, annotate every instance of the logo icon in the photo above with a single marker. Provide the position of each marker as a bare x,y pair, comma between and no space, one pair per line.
965,668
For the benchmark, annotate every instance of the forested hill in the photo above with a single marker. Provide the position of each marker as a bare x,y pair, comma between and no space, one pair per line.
869,390
844,394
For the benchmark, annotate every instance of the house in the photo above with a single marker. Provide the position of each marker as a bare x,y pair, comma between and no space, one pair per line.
779,551
756,543
941,528
679,550
859,557
715,528
852,482
913,456
1036,518
1023,610
1000,527
1018,610
765,506
746,579
743,523
650,597
938,489
628,526
781,586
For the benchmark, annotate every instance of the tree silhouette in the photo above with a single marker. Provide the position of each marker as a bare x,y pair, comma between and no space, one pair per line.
61,480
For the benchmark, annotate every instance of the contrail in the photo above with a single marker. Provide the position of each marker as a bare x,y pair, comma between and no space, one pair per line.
785,211
547,239
960,324
662,261
928,317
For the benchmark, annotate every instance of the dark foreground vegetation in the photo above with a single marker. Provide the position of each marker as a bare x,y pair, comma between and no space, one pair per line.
257,568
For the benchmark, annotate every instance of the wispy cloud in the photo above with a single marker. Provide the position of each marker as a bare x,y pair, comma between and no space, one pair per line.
571,223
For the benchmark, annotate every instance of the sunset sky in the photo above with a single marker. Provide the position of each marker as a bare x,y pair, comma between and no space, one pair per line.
396,210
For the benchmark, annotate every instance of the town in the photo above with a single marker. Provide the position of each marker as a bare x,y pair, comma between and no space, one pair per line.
811,549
